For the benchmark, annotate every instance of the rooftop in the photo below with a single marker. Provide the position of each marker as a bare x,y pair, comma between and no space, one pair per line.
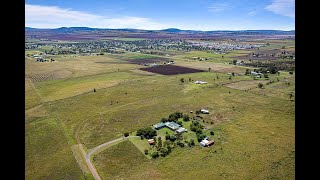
172,125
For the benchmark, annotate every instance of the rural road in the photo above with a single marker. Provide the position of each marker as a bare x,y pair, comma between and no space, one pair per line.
93,150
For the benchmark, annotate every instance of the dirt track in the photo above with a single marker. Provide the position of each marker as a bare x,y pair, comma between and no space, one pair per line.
87,156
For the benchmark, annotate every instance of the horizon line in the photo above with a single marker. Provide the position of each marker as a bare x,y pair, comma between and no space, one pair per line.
162,29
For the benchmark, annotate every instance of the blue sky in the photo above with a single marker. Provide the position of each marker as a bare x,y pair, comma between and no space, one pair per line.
161,14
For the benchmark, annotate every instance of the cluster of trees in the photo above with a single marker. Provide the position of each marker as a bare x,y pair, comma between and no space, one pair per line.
147,132
175,116
162,148
165,148
196,127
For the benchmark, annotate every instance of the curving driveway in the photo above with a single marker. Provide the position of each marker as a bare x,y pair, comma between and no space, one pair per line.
93,150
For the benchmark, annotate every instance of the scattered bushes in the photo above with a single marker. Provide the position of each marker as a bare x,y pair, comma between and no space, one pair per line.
155,154
200,137
180,144
173,138
146,151
185,117
196,127
191,143
175,116
167,137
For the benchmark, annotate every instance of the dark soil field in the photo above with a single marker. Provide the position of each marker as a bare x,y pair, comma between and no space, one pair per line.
170,70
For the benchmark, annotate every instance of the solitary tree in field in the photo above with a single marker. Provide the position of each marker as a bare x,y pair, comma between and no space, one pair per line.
126,134
232,73
94,90
209,69
182,80
290,95
247,72
190,79
146,151
260,85
234,62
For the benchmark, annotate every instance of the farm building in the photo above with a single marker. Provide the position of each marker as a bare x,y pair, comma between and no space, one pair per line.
159,125
181,130
204,143
210,143
172,125
151,141
204,111
200,82
255,73
239,63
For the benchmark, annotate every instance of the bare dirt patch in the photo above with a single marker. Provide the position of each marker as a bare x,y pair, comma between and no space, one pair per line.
170,70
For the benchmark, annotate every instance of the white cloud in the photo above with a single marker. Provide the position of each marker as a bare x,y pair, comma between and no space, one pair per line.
252,13
217,7
282,7
55,17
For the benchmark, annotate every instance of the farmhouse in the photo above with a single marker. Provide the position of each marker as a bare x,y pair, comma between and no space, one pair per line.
181,130
151,141
204,111
172,125
200,82
159,125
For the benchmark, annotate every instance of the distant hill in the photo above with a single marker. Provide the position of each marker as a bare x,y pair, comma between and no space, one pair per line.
85,33
169,30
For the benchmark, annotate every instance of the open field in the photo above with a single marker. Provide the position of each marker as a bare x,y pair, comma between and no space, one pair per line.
216,67
246,85
253,127
119,161
45,142
147,60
